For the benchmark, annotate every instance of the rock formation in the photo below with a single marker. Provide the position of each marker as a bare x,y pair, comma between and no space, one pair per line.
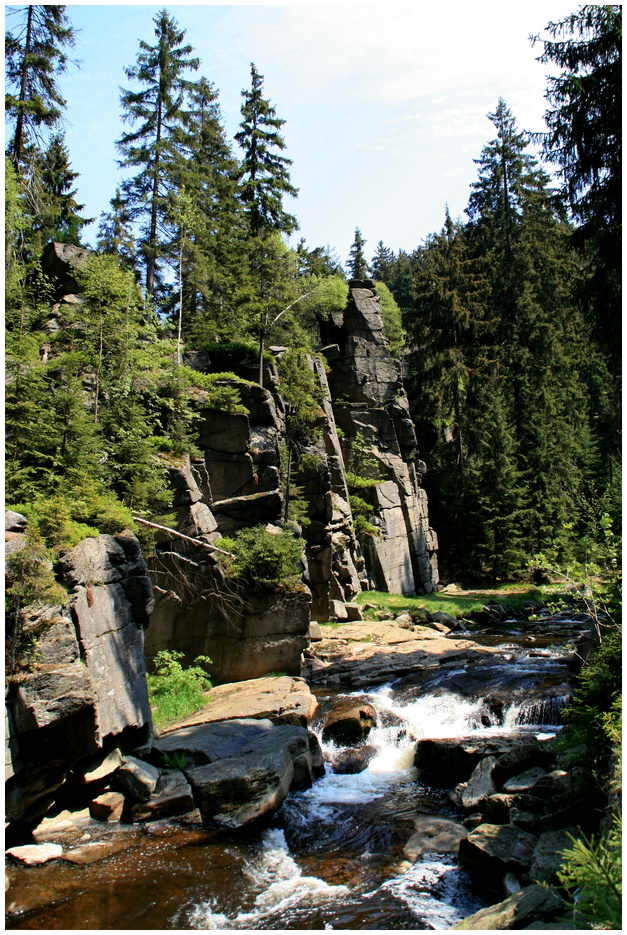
81,688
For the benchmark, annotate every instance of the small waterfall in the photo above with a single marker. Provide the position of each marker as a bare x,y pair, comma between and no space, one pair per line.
541,711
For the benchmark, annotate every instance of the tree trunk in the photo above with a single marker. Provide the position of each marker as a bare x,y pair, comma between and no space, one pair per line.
152,236
17,141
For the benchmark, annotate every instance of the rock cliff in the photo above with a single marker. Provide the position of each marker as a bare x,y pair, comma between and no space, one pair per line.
80,687
238,482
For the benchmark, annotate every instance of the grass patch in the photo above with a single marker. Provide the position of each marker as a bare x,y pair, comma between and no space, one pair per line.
457,605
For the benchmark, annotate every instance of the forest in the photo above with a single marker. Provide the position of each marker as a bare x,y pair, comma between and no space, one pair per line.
506,324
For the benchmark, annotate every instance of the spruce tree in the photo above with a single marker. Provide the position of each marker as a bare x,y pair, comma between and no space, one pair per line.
36,52
535,335
382,263
57,208
356,265
213,259
115,232
158,108
264,172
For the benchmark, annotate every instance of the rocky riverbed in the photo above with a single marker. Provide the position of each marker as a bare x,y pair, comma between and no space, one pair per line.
410,780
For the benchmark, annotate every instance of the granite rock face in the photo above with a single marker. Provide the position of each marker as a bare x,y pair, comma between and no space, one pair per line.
84,688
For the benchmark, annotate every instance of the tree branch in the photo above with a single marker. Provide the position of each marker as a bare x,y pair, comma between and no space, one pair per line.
199,542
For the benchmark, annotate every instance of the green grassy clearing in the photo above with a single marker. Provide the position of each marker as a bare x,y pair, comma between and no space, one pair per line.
457,604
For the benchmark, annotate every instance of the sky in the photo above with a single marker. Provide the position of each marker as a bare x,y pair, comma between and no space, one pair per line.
385,105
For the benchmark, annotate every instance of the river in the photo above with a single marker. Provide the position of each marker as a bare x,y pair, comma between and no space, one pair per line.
332,856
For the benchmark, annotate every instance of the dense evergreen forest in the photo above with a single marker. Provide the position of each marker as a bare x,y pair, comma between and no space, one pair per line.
507,321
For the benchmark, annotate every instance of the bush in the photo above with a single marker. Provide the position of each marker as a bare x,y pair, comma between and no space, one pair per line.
173,691
592,873
264,558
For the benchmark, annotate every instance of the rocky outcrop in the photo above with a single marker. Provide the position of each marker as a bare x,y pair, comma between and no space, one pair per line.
282,700
358,655
82,688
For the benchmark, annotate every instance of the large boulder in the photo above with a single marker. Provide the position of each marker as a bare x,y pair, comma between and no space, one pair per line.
491,851
533,904
243,769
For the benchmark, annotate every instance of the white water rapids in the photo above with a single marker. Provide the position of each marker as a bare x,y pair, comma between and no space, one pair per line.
433,892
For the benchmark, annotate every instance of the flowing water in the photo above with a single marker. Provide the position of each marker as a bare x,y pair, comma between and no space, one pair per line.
332,856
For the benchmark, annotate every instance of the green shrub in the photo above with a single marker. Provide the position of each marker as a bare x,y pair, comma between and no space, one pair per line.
364,528
174,691
592,873
356,482
264,558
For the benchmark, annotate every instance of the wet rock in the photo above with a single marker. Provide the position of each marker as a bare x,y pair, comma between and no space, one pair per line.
107,807
352,759
533,904
95,851
35,854
524,781
523,757
138,778
172,796
404,621
349,722
480,786
434,836
490,851
446,762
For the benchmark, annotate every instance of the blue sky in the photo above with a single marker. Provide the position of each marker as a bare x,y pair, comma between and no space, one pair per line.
385,105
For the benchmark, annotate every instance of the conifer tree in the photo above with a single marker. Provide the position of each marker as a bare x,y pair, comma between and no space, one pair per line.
382,263
55,199
264,172
36,52
150,148
534,333
584,138
213,261
115,232
356,264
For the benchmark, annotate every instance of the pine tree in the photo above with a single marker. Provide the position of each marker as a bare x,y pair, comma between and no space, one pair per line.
534,333
356,265
35,53
382,263
264,173
115,232
213,259
57,208
151,148
584,139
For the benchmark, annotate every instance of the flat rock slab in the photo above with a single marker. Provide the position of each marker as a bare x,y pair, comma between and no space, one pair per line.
35,854
208,743
94,851
282,700
363,664
533,904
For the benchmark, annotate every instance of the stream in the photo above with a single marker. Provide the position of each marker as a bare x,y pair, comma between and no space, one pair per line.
332,856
